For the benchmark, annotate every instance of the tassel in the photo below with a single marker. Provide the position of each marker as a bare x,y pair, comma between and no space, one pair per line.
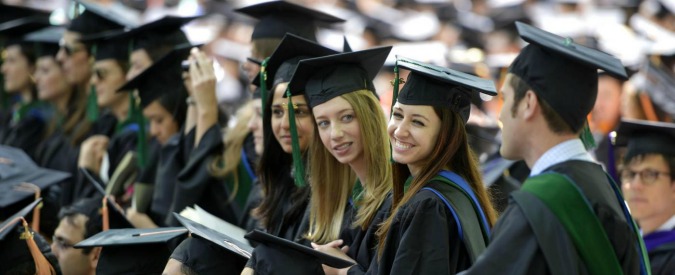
104,214
92,104
42,266
299,168
263,84
29,187
136,116
587,137
393,101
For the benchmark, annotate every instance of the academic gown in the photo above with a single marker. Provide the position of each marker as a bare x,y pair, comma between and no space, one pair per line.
25,128
423,238
167,159
514,249
661,248
363,247
196,185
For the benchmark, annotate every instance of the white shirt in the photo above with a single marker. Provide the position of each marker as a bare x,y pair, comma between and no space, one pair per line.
668,225
569,150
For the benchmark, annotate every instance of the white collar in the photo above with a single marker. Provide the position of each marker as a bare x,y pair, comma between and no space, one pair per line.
572,149
668,225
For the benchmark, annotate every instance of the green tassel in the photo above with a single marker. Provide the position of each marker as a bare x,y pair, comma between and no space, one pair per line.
393,101
92,104
135,116
297,155
263,84
587,137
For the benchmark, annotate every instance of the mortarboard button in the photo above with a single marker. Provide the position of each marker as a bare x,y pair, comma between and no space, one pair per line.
324,78
134,251
276,18
645,137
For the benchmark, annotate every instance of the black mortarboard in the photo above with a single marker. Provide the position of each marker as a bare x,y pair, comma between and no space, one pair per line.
164,31
324,78
645,137
15,30
285,58
164,77
16,168
134,251
46,40
276,18
108,45
432,85
562,72
96,19
268,239
15,250
11,12
209,251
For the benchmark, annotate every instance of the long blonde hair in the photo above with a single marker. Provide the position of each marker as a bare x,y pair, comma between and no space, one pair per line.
228,163
332,181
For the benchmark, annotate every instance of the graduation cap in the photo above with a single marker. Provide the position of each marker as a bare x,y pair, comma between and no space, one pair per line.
17,169
163,78
433,85
562,72
276,18
323,78
15,30
22,246
304,251
645,137
209,251
134,251
164,31
96,19
11,12
108,45
46,40
281,64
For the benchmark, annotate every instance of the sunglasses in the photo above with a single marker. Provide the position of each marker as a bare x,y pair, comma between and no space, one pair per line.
69,50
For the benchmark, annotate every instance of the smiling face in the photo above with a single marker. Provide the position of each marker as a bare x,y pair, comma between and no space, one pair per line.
339,130
413,131
280,125
16,70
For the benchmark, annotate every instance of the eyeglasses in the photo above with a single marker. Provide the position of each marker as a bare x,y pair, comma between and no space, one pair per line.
647,176
100,73
61,243
69,50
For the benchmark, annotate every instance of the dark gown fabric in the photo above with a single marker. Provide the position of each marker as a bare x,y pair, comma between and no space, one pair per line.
661,248
196,184
363,247
25,128
166,162
512,231
423,238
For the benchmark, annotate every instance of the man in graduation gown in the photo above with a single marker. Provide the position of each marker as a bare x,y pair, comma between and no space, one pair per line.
568,199
648,184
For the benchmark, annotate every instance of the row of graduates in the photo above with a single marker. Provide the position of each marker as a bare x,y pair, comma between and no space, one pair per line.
390,228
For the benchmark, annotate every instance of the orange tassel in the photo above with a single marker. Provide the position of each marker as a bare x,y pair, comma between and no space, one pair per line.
29,187
104,214
42,266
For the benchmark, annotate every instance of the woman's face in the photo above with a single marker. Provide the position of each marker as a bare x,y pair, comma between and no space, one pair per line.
280,125
255,124
339,130
16,70
50,79
108,76
74,59
162,123
139,61
413,131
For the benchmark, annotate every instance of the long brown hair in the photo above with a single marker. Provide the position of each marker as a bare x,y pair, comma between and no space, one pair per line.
331,192
452,153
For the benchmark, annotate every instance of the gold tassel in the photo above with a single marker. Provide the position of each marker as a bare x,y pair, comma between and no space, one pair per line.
29,187
104,214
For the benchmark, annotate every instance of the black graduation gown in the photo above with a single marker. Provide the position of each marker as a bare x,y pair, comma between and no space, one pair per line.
170,160
196,184
363,247
27,131
248,222
513,233
423,238
661,249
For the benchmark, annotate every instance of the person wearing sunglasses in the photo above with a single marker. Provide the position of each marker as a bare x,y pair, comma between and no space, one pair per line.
649,187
